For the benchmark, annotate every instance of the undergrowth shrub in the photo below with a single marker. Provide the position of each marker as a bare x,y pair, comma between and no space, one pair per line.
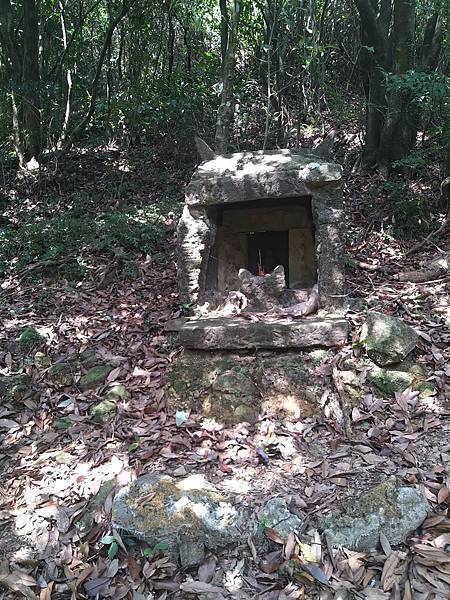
77,237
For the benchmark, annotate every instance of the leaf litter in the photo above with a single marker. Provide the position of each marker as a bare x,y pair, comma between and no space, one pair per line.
60,469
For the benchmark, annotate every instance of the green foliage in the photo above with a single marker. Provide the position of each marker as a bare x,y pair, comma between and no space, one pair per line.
30,338
77,236
110,541
426,90
412,217
156,549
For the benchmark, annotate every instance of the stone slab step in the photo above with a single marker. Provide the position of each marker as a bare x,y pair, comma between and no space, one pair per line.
238,333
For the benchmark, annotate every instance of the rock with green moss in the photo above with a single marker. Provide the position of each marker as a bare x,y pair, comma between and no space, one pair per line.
31,338
390,381
389,508
188,515
61,374
88,358
277,515
387,340
399,377
118,392
104,411
42,361
63,423
95,377
237,387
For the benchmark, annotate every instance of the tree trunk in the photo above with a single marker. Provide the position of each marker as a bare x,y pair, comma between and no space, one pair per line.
226,109
223,29
78,130
31,81
22,67
398,133
374,61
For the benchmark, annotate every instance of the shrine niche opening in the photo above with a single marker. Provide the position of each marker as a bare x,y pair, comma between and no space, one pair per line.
259,235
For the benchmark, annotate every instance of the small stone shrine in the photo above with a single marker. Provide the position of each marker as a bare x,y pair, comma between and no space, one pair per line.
261,269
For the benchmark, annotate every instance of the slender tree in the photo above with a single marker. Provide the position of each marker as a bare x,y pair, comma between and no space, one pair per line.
226,108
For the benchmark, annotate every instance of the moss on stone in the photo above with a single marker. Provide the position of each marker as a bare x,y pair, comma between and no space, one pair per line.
166,491
88,358
95,377
103,411
42,361
63,423
31,338
61,374
118,392
389,382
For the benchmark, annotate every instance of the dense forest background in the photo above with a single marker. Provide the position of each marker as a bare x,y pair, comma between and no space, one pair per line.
259,74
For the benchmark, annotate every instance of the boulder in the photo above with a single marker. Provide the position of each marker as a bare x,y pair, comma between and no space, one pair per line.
42,361
387,340
61,374
103,411
95,377
189,515
389,508
277,515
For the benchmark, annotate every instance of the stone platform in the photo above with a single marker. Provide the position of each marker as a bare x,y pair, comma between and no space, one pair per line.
239,386
259,332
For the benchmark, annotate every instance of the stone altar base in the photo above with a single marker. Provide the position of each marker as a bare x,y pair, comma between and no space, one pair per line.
258,332
234,368
232,387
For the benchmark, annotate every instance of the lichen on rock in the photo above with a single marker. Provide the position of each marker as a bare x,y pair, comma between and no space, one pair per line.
388,340
191,511
277,516
389,508
95,377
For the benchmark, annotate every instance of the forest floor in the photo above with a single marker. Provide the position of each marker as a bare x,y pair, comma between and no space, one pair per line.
88,261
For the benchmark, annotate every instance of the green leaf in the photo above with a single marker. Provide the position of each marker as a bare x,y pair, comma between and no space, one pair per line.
107,539
180,417
161,546
112,551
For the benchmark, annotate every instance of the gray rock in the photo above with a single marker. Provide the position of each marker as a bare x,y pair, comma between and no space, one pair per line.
263,293
189,515
95,377
228,333
389,508
276,515
61,374
103,411
387,339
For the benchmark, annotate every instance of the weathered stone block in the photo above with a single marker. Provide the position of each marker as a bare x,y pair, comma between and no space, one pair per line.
388,340
189,515
239,333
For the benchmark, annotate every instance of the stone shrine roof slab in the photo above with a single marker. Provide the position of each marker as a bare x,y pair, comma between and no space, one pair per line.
244,176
